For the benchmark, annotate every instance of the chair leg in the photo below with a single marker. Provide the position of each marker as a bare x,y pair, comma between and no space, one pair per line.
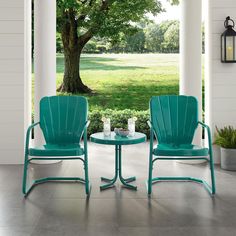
211,189
24,184
26,190
149,184
87,184
212,174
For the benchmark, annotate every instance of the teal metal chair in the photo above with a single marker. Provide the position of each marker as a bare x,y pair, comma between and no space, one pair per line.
63,121
174,120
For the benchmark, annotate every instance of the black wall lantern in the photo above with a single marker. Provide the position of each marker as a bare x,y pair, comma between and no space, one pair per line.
228,42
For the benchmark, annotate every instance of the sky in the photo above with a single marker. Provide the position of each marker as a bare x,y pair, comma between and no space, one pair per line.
172,12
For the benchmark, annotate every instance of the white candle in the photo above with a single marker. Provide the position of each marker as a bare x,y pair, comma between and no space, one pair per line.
229,54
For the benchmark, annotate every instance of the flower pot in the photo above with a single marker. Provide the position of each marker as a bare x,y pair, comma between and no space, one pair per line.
228,159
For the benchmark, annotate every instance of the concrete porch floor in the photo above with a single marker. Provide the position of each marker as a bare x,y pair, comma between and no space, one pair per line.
62,208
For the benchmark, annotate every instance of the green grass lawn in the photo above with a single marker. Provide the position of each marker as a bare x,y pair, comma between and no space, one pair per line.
121,81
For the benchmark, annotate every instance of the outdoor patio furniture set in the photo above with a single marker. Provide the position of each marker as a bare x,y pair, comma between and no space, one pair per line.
64,122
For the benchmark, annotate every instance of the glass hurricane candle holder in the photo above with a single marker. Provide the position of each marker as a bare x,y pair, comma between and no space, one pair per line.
131,126
106,126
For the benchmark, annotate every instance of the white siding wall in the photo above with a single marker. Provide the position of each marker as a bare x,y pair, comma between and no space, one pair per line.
11,81
14,87
220,77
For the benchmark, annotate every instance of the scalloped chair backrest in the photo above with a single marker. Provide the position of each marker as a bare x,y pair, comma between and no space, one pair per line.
174,118
62,118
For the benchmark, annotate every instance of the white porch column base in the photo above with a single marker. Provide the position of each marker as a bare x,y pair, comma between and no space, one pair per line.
191,57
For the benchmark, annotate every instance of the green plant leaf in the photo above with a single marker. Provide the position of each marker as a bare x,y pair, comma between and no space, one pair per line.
226,137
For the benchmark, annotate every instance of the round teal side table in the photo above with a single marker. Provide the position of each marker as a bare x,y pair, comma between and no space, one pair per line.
118,141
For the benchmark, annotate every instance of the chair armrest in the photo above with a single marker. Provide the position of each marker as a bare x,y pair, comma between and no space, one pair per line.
208,134
150,124
85,133
87,124
28,135
152,134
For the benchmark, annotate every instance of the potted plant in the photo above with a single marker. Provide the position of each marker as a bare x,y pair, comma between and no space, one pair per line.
226,139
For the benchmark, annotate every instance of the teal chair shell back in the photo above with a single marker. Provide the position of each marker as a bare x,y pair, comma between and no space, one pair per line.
62,118
174,118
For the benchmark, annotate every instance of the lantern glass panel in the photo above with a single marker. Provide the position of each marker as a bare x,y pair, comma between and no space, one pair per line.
234,48
229,48
223,47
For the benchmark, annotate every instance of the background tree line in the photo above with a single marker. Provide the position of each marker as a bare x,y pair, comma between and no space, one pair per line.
146,38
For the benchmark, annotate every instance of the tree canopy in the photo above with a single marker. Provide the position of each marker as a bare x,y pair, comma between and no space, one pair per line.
174,2
105,18
152,37
171,38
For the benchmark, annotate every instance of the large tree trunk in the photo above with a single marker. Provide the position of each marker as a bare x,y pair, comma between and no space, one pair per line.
73,46
72,82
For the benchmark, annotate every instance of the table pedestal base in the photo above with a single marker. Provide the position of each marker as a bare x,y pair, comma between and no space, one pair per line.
118,174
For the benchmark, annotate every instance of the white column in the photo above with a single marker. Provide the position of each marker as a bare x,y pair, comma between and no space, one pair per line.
27,64
211,58
44,54
191,54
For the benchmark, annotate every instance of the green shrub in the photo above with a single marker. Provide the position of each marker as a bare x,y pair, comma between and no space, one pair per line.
119,118
226,137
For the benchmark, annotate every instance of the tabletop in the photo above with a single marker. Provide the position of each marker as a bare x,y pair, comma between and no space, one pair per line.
114,139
